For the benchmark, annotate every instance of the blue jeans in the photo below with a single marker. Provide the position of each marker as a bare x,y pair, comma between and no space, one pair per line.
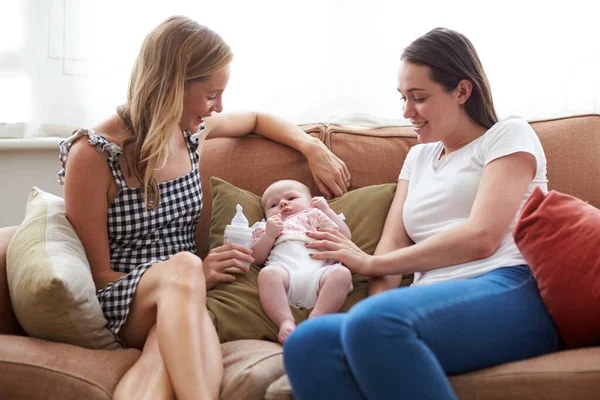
401,344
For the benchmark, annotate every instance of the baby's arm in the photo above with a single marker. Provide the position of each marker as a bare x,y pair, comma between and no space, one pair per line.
321,204
263,245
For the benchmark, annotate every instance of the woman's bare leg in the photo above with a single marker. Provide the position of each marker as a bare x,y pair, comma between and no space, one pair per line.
273,283
148,377
172,296
333,290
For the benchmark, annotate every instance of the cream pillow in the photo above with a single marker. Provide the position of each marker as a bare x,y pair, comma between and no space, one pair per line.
49,279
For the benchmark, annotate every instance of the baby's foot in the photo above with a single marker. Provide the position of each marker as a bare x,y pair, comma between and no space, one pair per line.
285,329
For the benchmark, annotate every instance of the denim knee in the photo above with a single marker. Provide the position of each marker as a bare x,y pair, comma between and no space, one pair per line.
376,319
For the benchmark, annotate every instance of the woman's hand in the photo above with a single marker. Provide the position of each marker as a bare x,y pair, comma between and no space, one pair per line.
334,245
329,172
223,257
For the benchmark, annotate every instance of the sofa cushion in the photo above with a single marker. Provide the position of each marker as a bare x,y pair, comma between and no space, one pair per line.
38,369
373,155
571,145
559,236
49,278
249,367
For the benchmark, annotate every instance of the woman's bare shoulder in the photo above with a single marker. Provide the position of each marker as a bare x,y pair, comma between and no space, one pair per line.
112,130
85,159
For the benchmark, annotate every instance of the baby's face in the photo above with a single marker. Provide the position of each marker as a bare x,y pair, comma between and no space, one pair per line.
285,198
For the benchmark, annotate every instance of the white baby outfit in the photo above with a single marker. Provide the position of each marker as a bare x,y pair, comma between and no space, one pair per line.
290,252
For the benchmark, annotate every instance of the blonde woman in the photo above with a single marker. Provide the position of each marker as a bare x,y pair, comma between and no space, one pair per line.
132,193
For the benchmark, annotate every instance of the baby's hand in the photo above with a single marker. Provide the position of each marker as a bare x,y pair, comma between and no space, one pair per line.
274,226
320,203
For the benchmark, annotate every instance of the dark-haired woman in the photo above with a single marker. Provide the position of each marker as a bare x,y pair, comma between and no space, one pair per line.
474,302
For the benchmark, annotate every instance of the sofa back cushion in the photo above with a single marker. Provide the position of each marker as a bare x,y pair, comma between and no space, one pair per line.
572,146
373,155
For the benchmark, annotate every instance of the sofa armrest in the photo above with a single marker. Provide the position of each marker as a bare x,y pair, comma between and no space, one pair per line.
8,321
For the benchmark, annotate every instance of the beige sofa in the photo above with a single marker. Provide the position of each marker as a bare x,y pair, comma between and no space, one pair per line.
31,368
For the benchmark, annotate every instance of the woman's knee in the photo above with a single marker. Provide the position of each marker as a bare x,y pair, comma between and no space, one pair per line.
183,275
378,317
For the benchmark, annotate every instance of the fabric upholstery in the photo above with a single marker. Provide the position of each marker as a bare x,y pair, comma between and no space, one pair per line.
8,321
572,145
373,156
559,236
38,369
250,366
49,278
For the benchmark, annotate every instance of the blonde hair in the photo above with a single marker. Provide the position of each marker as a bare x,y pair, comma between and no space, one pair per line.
176,52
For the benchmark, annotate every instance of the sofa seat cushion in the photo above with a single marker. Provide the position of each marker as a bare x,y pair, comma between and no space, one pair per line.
572,374
250,366
38,369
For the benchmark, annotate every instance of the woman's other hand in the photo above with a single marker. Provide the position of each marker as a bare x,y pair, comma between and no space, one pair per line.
223,257
334,245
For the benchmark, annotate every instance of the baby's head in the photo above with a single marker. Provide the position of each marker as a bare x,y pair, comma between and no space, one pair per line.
286,197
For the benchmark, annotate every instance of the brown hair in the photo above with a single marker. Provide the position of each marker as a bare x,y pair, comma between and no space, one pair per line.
177,51
451,57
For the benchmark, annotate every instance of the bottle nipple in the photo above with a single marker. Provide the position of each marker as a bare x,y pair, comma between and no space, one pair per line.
239,219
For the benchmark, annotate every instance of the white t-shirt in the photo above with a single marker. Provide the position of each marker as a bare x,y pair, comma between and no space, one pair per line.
441,192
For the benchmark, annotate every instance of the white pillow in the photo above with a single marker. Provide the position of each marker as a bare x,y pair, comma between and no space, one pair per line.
49,279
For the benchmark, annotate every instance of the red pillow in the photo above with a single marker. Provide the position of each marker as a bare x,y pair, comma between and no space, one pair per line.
559,236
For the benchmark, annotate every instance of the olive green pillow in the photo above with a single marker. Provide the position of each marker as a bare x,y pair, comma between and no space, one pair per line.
235,307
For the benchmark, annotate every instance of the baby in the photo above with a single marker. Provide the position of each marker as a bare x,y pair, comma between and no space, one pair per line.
290,276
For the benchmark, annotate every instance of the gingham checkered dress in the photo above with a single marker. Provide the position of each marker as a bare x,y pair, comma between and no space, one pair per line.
139,238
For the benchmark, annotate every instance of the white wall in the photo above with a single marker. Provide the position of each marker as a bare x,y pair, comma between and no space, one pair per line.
20,169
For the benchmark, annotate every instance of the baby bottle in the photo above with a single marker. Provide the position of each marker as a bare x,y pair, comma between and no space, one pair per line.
238,232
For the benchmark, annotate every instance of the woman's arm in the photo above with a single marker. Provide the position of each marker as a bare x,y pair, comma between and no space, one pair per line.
328,170
86,187
393,237
501,190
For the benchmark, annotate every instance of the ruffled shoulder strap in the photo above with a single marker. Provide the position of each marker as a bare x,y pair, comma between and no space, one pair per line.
193,140
101,145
